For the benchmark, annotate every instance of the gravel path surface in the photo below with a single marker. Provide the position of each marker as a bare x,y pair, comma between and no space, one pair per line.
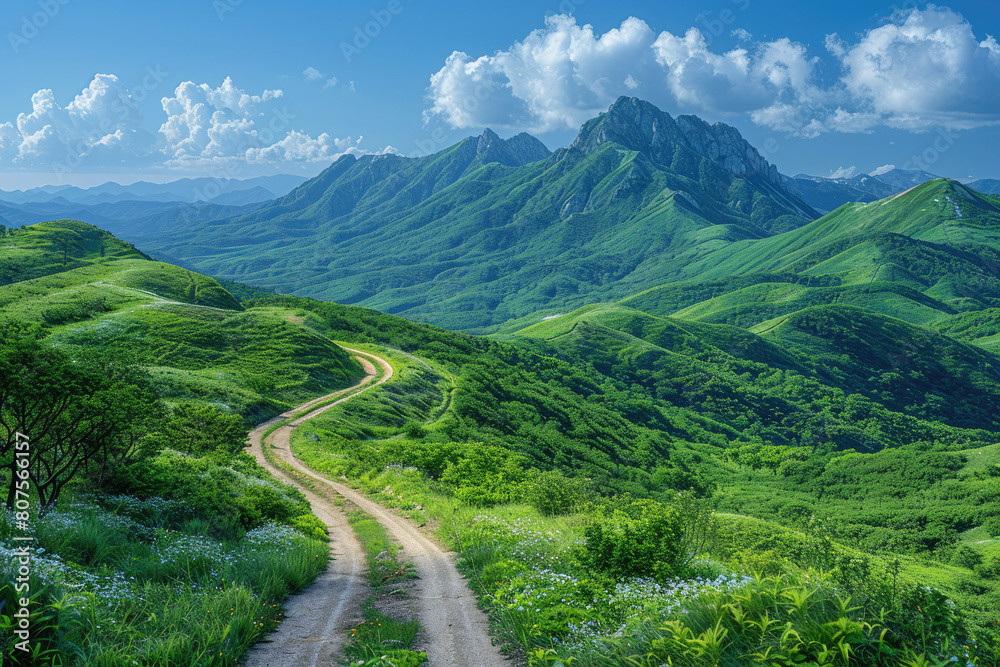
457,632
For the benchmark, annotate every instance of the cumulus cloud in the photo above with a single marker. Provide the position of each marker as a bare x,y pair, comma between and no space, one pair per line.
564,74
929,69
313,75
99,126
557,77
299,147
919,69
203,126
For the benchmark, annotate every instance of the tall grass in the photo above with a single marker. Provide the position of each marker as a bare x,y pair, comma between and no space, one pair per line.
131,592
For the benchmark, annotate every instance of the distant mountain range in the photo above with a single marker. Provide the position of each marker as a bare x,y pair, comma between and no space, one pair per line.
491,230
828,194
490,233
225,191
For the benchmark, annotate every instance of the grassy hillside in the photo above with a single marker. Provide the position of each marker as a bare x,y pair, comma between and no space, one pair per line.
184,328
156,540
886,504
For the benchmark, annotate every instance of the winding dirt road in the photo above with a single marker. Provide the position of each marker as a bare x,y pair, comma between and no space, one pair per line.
318,620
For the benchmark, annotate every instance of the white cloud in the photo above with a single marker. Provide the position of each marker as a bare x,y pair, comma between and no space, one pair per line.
564,74
920,69
100,126
206,125
926,70
557,77
299,147
203,126
842,172
313,75
884,169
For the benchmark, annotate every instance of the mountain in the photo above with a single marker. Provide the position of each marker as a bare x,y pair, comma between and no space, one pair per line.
186,190
987,186
491,230
922,256
904,179
135,218
896,300
828,194
677,144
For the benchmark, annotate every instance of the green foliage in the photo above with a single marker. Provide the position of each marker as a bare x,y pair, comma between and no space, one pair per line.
56,622
198,430
232,500
62,417
636,540
774,621
383,640
486,476
552,493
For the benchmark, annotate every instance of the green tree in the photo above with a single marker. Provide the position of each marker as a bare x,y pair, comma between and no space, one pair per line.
74,414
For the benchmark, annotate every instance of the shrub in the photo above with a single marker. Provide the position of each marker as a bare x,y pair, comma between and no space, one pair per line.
310,526
554,493
644,539
966,557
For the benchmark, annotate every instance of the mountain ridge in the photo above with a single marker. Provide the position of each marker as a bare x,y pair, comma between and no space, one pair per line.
491,229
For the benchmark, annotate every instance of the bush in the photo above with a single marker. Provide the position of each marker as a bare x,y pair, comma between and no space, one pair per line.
990,569
554,493
966,557
488,475
232,500
643,539
310,526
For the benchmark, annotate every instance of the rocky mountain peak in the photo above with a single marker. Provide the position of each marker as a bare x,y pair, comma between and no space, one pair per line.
513,152
641,126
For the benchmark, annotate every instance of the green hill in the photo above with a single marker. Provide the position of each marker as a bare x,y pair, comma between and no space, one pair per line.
91,292
904,367
926,256
835,431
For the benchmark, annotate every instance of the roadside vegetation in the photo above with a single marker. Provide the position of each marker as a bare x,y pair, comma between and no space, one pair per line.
387,633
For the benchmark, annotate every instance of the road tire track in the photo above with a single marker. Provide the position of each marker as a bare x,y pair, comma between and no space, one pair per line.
457,631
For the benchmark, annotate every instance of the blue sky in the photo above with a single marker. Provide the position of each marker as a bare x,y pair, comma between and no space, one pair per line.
102,89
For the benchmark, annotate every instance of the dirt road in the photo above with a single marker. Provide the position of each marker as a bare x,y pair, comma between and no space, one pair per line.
457,631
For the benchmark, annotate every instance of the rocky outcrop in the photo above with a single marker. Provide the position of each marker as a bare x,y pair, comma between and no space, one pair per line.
513,152
640,126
